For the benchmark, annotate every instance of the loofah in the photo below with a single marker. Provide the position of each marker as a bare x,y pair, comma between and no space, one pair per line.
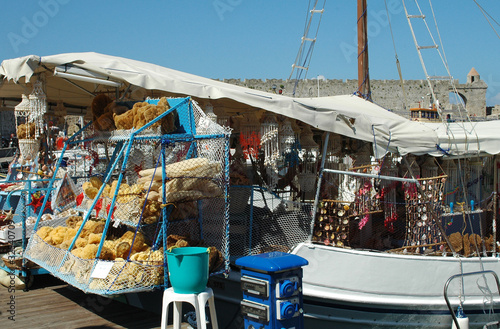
139,241
122,249
467,247
96,182
92,226
94,238
70,234
91,192
181,243
89,251
99,104
77,252
172,239
489,243
475,241
72,221
107,254
456,241
81,242
105,122
44,231
56,236
26,131
125,120
215,259
65,244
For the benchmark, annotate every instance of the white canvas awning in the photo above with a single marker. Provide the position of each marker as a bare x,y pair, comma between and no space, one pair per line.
346,115
467,138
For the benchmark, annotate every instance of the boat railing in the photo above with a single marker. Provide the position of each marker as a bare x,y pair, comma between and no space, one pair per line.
461,276
490,324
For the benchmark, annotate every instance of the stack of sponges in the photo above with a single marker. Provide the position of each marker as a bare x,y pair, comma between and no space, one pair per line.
86,245
130,275
62,236
129,199
144,269
91,187
86,248
126,193
102,114
144,112
469,245
188,180
215,258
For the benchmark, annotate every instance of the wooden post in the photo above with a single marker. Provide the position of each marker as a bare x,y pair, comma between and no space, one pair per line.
363,73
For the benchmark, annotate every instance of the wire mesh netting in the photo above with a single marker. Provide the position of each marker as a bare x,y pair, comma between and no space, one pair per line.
154,178
423,207
123,275
401,217
265,222
368,212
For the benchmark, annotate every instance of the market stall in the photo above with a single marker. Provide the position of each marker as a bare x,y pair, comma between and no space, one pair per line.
292,187
163,185
25,184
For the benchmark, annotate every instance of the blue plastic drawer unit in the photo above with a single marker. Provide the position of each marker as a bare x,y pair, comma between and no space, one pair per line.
272,290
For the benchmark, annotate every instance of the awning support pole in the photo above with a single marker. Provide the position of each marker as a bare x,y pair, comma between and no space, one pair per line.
318,188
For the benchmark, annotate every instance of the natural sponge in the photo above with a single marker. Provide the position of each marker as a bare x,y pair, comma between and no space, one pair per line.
44,232
26,131
99,104
124,120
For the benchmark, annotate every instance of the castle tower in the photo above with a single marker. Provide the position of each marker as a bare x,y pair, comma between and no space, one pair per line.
473,76
473,94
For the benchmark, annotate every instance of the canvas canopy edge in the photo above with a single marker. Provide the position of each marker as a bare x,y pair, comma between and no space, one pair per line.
337,114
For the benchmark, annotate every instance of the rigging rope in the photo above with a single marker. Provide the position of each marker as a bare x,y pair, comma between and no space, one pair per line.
445,63
396,55
302,62
463,119
486,14
466,216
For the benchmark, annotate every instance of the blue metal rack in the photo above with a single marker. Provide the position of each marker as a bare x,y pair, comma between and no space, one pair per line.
17,200
194,142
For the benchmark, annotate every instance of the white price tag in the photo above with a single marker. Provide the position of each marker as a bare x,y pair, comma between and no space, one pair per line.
116,223
101,270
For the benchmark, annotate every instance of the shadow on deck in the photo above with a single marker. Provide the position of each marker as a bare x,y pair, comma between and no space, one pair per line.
51,303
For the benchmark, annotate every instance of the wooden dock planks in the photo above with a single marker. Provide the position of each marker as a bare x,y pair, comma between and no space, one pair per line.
53,304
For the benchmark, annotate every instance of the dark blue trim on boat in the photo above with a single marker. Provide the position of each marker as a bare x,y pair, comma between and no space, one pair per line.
352,307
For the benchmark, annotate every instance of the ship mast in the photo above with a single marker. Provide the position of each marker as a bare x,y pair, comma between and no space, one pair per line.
364,90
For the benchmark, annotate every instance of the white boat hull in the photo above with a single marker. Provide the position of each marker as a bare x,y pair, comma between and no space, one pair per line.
345,288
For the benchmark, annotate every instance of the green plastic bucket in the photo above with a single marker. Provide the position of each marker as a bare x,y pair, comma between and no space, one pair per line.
188,269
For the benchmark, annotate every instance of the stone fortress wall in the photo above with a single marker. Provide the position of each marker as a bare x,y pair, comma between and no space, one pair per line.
386,93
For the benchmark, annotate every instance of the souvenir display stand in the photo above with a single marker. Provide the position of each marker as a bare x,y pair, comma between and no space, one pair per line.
24,166
25,184
370,209
29,121
20,229
161,185
424,229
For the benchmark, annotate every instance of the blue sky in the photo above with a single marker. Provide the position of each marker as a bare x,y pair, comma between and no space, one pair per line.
255,39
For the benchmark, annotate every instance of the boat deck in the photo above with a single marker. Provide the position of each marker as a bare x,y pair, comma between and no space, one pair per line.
51,303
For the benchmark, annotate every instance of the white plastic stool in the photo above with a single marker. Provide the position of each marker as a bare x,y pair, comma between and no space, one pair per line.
197,300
